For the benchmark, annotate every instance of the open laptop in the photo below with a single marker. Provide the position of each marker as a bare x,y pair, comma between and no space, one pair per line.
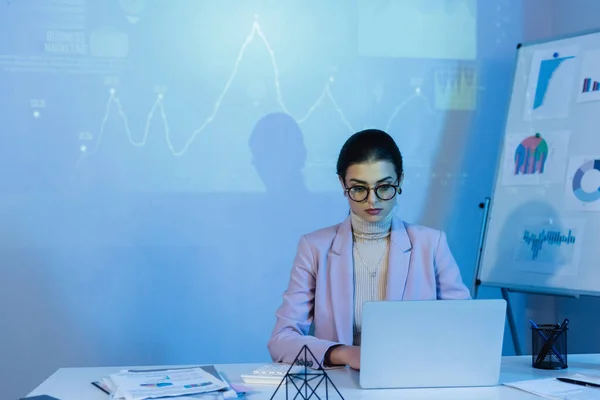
432,343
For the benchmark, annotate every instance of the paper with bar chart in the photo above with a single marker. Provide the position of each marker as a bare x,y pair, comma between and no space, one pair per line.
582,187
535,158
589,82
548,246
550,81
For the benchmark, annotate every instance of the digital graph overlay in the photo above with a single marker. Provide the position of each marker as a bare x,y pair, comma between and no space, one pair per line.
536,241
579,192
548,68
158,105
531,155
456,90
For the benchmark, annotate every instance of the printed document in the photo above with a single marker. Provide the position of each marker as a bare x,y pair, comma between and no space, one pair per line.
551,388
142,385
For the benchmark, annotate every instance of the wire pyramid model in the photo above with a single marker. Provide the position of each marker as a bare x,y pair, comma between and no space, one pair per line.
304,384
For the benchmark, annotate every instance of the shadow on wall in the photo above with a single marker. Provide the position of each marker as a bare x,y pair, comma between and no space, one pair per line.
279,154
252,271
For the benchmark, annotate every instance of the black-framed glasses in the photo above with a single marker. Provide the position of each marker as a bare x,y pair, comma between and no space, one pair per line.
360,193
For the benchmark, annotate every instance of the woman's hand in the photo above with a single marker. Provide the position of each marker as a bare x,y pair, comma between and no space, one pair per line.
346,355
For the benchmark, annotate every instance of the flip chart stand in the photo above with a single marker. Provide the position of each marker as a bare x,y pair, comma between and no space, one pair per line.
299,383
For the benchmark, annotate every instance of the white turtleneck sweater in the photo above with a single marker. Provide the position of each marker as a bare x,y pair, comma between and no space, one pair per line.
370,251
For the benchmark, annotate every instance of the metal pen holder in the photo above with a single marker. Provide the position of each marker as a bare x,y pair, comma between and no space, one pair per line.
549,347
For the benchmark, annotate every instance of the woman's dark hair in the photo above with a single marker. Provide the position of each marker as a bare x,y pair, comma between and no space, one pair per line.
369,145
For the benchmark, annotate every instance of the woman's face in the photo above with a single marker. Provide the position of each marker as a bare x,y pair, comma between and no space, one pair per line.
362,180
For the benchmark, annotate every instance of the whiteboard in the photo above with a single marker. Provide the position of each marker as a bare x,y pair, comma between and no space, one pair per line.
542,233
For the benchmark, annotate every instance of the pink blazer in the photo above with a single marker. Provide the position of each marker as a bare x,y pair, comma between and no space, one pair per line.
321,285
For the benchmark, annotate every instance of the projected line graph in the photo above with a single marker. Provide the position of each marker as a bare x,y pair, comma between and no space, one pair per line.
158,107
536,242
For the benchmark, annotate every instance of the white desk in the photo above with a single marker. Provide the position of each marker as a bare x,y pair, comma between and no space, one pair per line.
74,383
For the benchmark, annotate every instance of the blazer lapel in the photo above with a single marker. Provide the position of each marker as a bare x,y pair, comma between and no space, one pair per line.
398,261
341,282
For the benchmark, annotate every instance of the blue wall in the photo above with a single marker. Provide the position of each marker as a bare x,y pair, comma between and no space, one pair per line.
159,160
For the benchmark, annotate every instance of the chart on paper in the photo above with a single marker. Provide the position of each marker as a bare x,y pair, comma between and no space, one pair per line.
589,82
582,187
549,247
539,158
548,92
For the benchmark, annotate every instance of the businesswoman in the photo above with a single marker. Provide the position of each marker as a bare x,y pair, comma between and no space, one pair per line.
372,255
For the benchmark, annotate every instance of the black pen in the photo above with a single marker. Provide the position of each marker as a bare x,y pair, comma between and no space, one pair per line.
577,382
99,386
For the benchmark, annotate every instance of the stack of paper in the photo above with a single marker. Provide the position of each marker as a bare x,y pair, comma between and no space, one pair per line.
178,383
552,388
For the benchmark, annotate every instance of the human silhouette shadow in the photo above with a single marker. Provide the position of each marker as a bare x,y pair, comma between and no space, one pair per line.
279,154
270,222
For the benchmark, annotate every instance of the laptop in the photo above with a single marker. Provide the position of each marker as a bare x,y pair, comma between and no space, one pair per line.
431,343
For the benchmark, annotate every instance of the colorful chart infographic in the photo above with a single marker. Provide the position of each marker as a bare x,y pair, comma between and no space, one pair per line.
531,155
535,159
583,186
551,76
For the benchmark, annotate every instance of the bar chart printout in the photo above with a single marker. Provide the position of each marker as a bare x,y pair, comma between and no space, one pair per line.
589,78
590,85
552,238
549,247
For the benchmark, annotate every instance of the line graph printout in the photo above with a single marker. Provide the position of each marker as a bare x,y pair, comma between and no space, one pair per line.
549,247
549,85
535,158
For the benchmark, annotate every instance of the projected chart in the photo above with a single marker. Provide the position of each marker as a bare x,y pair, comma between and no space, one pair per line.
549,247
164,118
550,83
133,9
590,77
425,29
535,159
456,89
583,184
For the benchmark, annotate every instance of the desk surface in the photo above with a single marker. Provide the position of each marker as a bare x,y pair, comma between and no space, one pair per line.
74,383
